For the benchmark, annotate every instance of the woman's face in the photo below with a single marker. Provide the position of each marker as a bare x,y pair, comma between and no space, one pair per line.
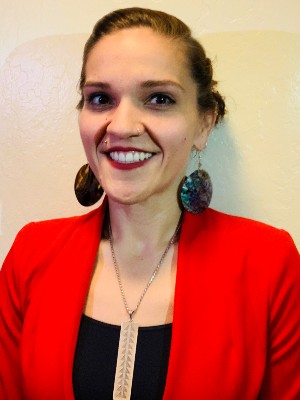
140,117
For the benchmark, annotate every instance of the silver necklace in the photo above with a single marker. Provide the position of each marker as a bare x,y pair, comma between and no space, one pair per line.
129,329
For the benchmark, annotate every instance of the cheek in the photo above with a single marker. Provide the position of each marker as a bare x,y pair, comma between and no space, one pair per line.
88,129
87,139
178,140
83,126
92,128
179,150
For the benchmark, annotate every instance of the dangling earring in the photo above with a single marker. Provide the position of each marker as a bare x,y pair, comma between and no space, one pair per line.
87,189
196,190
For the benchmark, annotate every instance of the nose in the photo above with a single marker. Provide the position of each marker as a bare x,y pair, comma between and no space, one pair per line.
125,120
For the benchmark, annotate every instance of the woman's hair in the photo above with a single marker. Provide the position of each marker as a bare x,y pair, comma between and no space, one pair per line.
170,27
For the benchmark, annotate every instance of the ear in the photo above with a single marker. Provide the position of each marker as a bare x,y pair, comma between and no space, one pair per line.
207,121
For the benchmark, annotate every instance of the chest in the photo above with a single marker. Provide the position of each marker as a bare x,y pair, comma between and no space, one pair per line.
219,330
111,291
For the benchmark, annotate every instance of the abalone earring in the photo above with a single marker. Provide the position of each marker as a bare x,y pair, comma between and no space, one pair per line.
86,187
196,190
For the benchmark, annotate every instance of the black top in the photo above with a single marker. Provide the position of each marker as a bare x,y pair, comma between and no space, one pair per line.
96,358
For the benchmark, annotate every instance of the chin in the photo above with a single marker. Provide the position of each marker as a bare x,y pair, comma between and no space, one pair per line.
124,198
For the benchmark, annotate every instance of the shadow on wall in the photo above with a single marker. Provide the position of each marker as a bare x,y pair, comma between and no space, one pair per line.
40,149
254,159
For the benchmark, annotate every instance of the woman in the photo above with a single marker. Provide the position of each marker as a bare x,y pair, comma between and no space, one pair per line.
138,298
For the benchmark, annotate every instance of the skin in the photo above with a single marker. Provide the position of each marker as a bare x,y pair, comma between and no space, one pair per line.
139,98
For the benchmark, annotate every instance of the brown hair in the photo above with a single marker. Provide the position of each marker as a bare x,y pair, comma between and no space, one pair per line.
171,27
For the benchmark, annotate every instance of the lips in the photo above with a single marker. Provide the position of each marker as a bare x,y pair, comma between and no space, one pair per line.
129,157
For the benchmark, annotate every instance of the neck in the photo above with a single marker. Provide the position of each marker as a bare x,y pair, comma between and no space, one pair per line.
143,223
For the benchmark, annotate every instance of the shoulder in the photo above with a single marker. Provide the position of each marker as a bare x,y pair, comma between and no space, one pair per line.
56,230
237,231
59,224
40,242
222,221
240,243
49,248
238,251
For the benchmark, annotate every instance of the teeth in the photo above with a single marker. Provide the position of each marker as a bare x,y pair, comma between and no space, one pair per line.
129,156
122,157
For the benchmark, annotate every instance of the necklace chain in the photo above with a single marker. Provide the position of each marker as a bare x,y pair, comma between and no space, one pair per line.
154,273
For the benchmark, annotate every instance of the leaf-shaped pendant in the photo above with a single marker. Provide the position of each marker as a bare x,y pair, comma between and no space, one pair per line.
125,361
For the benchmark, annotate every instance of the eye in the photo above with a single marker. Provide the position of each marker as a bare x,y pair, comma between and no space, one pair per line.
160,99
98,99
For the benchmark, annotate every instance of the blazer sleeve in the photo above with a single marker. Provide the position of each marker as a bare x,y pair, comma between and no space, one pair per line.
11,318
282,375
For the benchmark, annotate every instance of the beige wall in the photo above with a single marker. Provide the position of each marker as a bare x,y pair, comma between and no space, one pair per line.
253,158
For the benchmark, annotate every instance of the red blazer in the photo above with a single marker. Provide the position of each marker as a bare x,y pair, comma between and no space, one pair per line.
236,331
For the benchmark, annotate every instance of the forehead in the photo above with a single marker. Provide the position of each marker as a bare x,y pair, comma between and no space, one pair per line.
139,50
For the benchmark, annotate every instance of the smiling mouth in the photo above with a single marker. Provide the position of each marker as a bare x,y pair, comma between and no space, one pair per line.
129,157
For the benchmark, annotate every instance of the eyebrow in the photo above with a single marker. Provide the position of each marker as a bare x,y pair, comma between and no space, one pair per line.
146,84
165,82
101,85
